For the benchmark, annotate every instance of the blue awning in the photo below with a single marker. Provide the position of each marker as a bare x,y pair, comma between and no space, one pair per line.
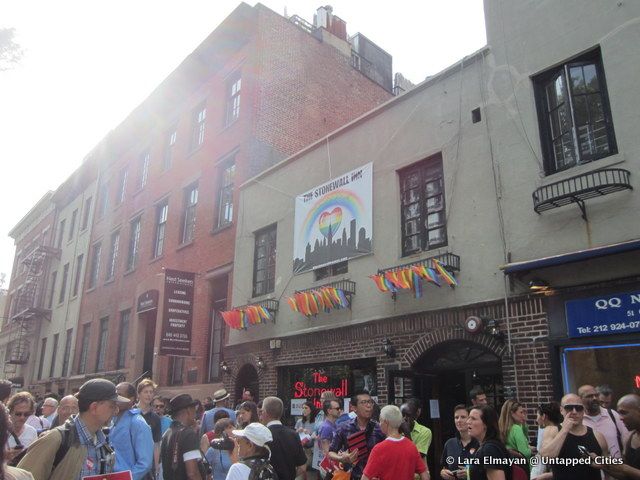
571,257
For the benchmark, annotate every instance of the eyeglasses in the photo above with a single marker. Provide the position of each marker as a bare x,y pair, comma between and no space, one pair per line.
365,402
576,408
21,414
158,406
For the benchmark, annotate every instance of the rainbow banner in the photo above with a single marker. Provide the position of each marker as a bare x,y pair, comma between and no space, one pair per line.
322,299
411,278
333,221
241,318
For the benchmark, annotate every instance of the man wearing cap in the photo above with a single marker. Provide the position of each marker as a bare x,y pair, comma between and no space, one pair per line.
87,452
180,449
220,400
131,437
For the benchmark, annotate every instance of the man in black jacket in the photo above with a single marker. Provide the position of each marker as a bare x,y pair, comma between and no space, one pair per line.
287,456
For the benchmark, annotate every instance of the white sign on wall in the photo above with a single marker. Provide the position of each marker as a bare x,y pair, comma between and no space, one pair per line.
333,221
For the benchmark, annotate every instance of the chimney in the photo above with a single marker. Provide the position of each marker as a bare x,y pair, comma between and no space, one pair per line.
324,18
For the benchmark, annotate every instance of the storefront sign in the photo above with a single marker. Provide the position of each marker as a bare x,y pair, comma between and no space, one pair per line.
605,315
321,383
333,221
147,301
177,319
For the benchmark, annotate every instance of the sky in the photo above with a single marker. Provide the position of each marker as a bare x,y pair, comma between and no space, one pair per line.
88,64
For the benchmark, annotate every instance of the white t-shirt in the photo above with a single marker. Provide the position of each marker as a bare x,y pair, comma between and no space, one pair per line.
27,437
238,471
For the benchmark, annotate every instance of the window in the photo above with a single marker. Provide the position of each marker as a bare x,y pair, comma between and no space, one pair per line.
102,343
233,99
60,234
218,288
162,212
52,288
63,284
167,155
124,337
423,209
189,216
84,348
76,280
43,350
143,169
103,198
197,128
264,261
331,270
113,256
72,226
67,352
176,366
225,195
134,244
95,265
86,213
573,113
122,189
52,367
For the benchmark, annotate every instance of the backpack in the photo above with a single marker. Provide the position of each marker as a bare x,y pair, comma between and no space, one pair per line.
261,469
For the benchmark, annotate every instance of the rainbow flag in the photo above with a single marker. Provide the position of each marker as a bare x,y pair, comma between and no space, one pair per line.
380,282
444,273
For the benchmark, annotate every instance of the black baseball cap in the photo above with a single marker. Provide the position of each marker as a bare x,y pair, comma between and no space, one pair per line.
98,390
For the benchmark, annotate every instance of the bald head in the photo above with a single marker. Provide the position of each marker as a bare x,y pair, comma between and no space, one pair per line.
570,398
68,406
590,399
629,410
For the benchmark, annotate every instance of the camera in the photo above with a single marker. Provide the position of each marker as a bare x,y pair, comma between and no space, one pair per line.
222,443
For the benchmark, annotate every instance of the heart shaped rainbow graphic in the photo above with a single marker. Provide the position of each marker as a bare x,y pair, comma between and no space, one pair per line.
329,221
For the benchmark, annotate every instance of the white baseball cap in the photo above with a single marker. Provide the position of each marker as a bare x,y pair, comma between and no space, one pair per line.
256,433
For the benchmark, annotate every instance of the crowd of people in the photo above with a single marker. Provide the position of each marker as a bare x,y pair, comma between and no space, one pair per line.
107,428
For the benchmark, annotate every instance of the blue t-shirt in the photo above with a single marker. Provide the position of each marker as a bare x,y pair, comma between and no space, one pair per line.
327,430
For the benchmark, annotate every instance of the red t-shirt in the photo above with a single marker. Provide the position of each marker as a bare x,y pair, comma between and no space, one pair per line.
394,459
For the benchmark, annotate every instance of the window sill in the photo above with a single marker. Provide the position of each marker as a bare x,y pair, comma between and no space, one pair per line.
74,297
185,245
195,150
222,228
129,272
138,190
606,162
227,126
263,296
155,259
109,281
90,289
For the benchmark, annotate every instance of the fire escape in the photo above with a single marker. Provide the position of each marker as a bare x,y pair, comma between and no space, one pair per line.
28,308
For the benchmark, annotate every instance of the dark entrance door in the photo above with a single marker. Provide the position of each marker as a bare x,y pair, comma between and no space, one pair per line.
247,378
445,374
148,320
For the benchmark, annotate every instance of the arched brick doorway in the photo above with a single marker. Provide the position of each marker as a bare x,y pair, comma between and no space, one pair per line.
443,366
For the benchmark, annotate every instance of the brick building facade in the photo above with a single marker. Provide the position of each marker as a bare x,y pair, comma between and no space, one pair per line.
257,89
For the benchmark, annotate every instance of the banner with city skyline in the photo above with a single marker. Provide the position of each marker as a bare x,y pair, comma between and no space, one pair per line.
333,221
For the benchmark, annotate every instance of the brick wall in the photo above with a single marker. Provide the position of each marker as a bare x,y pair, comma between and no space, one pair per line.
413,336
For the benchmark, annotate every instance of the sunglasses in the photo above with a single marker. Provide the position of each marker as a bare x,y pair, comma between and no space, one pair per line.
21,414
575,408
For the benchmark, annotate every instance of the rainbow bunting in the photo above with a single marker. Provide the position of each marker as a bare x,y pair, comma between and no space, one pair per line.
444,273
417,285
312,302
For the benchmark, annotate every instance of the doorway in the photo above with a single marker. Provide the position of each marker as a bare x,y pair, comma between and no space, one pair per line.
441,379
148,320
247,378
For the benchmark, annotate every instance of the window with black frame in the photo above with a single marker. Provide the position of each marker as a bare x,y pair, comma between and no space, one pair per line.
422,206
189,215
264,261
573,113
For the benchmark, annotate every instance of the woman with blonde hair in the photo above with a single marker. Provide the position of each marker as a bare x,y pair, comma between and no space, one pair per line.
512,418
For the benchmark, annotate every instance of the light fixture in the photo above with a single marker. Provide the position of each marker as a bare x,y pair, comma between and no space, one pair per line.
492,328
388,348
538,285
260,363
224,367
